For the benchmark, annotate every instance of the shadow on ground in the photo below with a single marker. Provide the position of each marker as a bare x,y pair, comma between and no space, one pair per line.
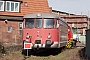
82,54
47,52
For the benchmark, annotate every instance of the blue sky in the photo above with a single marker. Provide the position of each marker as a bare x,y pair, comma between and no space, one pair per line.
71,6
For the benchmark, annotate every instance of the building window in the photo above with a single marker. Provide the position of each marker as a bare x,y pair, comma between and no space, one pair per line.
12,6
1,5
74,31
9,29
20,28
89,26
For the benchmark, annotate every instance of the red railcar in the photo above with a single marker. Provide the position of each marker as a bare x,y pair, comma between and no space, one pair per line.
70,33
44,30
71,41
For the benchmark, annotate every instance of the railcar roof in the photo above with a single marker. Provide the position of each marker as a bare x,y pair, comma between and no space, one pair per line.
41,15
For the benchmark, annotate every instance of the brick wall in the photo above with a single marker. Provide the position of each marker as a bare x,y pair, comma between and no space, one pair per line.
34,6
12,36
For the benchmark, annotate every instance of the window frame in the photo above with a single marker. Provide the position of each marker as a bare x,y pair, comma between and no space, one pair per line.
37,24
9,29
14,6
20,28
28,20
3,5
50,24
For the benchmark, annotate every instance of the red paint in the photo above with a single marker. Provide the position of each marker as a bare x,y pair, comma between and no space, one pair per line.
42,35
57,34
27,46
70,33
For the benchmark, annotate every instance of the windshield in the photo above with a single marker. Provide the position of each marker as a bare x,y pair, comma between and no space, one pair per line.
38,23
29,23
48,23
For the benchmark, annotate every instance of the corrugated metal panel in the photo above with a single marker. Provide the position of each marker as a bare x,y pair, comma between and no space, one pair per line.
88,43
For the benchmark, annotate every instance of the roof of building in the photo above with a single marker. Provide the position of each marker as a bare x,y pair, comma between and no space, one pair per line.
33,6
69,14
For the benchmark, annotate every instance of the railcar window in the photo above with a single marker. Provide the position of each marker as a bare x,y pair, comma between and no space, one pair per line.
48,23
38,23
63,30
29,23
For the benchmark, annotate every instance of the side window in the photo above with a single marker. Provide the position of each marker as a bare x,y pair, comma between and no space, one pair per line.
1,5
9,29
57,22
20,28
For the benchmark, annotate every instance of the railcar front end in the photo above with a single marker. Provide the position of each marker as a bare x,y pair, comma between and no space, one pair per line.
44,31
35,35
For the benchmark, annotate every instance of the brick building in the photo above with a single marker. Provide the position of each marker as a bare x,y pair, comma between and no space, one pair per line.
79,23
11,14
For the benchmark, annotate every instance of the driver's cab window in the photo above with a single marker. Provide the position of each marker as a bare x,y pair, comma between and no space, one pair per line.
29,23
38,23
49,23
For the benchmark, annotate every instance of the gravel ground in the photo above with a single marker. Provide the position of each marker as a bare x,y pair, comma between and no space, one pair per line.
68,54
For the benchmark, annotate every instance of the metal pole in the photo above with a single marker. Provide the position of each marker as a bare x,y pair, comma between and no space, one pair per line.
1,32
15,38
27,52
88,19
15,35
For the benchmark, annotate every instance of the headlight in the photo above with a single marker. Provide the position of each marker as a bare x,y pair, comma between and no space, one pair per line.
48,42
26,41
49,36
27,36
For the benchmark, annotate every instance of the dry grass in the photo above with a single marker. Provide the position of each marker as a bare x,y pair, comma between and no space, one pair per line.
72,54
